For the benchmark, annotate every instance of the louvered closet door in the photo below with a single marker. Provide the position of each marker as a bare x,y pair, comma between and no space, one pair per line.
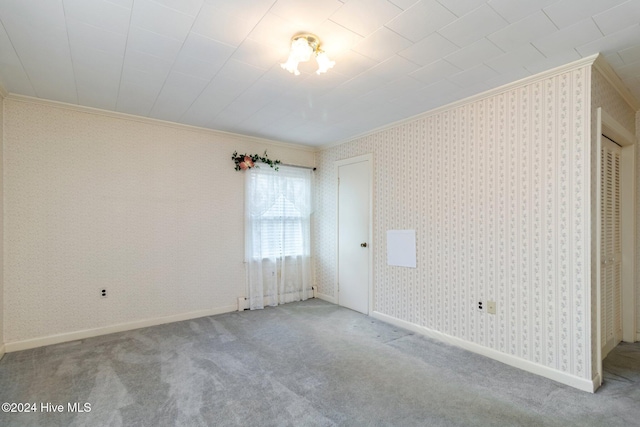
611,250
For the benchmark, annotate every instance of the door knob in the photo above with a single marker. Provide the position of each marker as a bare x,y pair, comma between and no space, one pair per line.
364,245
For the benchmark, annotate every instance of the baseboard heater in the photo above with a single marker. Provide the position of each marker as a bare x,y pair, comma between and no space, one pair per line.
243,302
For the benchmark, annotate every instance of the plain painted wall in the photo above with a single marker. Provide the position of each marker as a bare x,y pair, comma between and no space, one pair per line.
150,211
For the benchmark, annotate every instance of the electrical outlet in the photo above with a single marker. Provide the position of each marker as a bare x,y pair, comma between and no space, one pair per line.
103,292
480,306
491,307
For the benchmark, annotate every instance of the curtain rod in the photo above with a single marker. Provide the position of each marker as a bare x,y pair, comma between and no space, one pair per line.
298,166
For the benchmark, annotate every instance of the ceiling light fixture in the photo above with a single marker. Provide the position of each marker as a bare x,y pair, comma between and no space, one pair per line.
302,47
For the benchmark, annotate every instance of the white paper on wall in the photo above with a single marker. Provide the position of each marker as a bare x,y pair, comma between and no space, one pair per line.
401,248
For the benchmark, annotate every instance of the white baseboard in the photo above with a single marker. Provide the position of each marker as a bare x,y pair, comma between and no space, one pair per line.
526,365
2,351
89,333
327,298
597,382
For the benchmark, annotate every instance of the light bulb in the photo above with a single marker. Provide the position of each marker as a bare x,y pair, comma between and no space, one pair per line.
302,47
324,63
301,50
291,65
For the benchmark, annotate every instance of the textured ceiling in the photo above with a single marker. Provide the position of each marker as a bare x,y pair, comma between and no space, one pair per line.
215,63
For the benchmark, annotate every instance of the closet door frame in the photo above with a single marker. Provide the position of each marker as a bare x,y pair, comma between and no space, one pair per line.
607,125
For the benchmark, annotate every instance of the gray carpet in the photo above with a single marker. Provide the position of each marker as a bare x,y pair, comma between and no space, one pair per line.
301,364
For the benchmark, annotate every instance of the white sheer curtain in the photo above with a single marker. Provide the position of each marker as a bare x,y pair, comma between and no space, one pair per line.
277,233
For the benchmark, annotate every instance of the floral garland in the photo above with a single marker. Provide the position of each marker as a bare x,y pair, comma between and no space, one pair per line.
248,161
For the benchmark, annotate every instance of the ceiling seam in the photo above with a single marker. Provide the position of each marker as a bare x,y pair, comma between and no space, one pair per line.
223,65
174,59
24,69
124,57
73,68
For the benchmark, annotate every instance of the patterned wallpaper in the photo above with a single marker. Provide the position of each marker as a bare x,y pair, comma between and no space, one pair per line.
604,95
1,221
152,212
498,192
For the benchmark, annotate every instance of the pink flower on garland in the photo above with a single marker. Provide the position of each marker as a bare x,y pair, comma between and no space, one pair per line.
247,163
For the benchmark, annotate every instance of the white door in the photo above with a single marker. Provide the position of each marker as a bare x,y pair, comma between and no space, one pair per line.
610,247
353,234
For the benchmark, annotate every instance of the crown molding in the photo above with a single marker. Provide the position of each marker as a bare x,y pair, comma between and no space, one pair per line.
584,62
607,72
157,122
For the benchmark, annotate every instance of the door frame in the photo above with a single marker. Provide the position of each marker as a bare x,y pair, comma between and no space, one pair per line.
608,126
369,159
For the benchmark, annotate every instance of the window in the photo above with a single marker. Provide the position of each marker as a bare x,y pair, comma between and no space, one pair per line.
277,234
281,228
